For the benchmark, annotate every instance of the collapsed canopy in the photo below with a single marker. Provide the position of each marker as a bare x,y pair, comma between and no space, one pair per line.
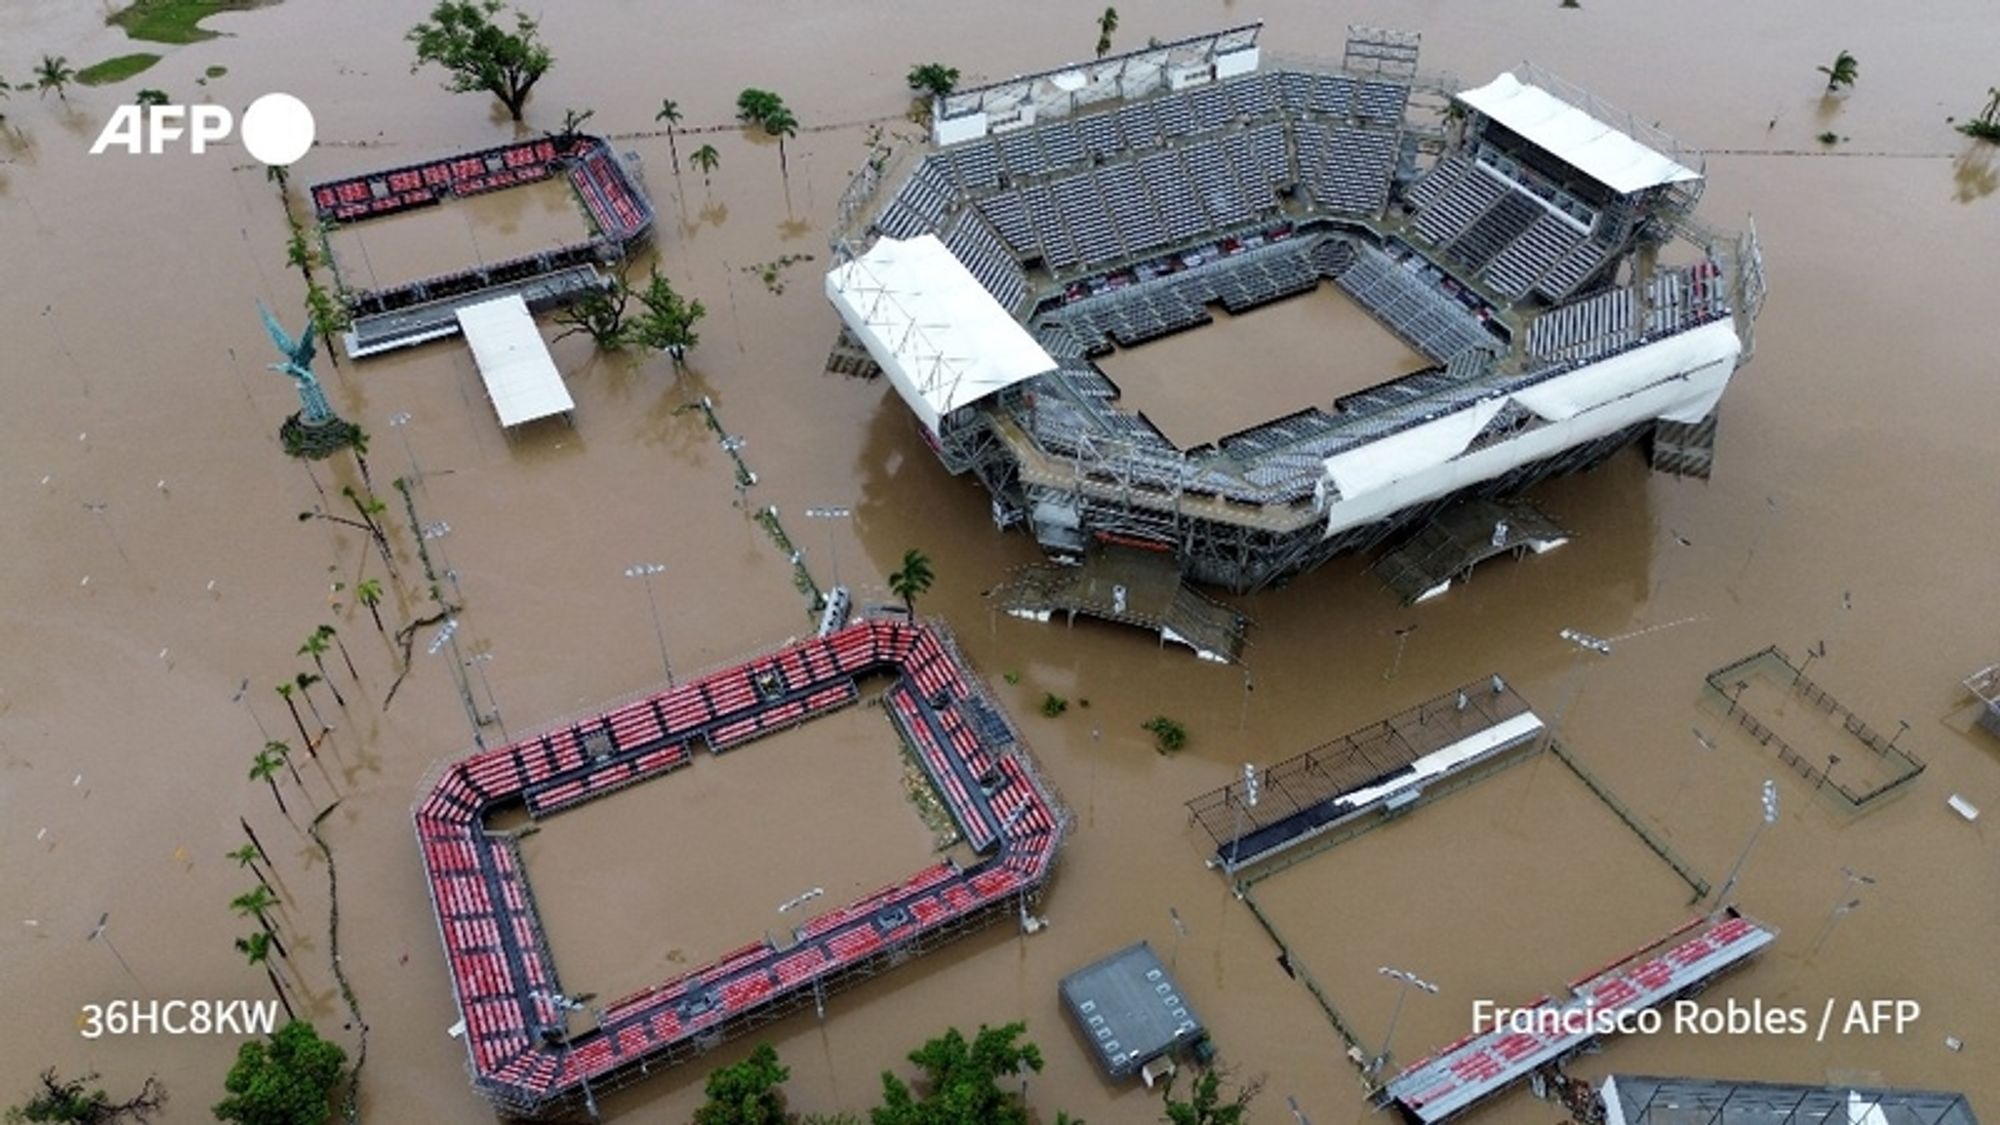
941,337
1583,142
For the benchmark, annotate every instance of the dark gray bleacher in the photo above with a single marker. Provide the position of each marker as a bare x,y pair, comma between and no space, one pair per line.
1083,212
1173,190
1210,107
1459,206
1131,208
1058,247
973,243
1502,223
1514,271
1215,181
1009,216
1380,101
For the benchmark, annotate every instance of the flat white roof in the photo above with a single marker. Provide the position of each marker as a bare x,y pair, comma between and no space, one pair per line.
1592,147
521,379
939,335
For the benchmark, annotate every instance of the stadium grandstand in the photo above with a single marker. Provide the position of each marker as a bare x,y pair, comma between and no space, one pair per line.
524,1052
1538,249
418,311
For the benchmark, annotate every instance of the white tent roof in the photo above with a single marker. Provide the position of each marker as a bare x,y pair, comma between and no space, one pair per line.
1592,147
941,337
513,361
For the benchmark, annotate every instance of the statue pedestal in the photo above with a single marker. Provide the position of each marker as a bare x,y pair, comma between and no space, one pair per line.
317,441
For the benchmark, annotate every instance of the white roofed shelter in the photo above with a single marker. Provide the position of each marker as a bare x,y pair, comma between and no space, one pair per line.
521,379
941,337
1591,146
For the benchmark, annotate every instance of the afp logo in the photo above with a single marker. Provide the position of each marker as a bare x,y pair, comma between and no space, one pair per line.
276,129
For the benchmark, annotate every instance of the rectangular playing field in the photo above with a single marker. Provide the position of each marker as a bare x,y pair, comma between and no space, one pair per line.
670,874
1210,382
459,234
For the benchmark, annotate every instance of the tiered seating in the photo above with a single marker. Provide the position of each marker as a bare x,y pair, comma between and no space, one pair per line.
977,165
928,191
1059,249
1431,322
1173,189
1174,116
1131,208
1346,168
1502,223
1272,161
1576,267
1459,206
1435,182
1253,95
1380,101
608,195
1209,107
1330,94
1083,213
1061,143
1022,154
1604,322
1139,124
973,243
1099,133
1528,257
1009,217
1215,180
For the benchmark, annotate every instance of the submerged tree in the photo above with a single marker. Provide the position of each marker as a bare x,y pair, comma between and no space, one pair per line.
666,322
1106,24
285,1080
935,79
369,593
54,73
478,53
1842,73
961,1080
747,1093
670,113
706,159
1986,126
1206,1105
151,96
72,1101
914,578
599,314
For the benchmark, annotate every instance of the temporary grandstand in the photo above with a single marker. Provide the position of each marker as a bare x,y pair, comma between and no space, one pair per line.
522,1050
1467,1071
1637,1099
1538,248
419,311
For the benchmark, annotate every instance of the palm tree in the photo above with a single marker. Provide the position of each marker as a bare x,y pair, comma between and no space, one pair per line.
246,856
3,93
305,681
706,159
1843,72
1106,24
253,903
283,750
331,634
54,73
781,124
670,112
257,948
915,578
935,79
264,768
369,592
315,647
151,96
285,693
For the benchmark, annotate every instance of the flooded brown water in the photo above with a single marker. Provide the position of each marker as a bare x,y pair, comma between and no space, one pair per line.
494,227
658,879
138,451
1303,352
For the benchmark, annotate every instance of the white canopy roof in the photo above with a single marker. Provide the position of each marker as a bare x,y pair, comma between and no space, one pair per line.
941,337
1590,146
513,361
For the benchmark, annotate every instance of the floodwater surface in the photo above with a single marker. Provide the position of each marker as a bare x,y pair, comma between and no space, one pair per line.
158,583
1240,371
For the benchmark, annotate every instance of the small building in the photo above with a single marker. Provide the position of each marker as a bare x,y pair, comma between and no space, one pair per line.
1133,1014
1633,1099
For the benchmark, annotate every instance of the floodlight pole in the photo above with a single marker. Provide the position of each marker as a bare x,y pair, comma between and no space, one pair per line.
570,1004
829,514
1408,980
1770,817
397,422
644,572
448,635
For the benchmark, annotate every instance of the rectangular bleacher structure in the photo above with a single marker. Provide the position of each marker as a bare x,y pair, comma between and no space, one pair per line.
504,980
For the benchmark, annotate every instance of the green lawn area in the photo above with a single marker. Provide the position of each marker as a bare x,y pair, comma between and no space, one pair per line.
174,21
116,69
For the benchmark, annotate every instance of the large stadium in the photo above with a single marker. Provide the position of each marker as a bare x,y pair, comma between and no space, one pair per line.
1535,252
